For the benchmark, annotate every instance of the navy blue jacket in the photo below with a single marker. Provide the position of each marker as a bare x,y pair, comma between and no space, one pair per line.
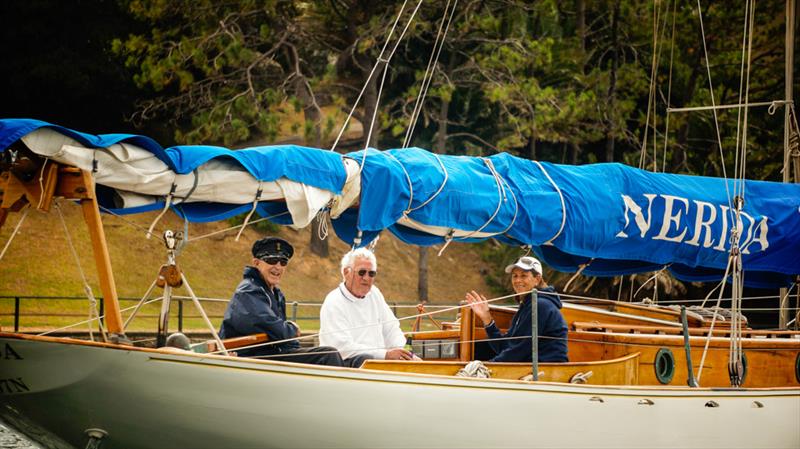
551,327
255,309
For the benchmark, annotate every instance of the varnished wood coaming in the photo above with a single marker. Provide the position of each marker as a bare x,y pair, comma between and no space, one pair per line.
621,371
770,361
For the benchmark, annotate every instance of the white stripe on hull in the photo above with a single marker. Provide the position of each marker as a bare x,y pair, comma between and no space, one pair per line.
147,399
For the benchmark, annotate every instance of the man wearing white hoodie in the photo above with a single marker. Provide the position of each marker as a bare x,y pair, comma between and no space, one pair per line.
355,318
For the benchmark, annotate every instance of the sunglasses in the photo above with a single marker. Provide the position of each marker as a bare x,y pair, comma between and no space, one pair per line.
273,260
363,272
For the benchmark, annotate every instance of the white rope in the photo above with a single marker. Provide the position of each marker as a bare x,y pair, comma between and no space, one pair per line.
563,204
408,179
167,203
501,188
93,319
322,224
429,71
653,277
771,104
713,321
651,94
374,68
714,104
575,276
220,231
41,183
139,304
438,191
15,231
86,288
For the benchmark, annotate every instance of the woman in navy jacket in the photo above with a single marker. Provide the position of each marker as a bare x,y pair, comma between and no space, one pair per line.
513,346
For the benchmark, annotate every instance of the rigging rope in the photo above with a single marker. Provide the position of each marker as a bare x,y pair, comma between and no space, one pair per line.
374,68
429,71
86,288
15,231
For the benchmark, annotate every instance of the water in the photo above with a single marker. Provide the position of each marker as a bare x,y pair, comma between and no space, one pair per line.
10,439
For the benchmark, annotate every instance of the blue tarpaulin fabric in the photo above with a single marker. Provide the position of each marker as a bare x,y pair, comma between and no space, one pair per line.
609,219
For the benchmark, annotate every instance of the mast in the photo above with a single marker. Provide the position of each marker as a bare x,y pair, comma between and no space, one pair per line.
791,8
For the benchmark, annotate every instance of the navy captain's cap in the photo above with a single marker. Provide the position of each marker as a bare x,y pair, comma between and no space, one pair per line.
272,247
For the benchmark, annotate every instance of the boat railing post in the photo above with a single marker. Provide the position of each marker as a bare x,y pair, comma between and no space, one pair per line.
180,316
16,314
102,311
294,311
535,334
690,380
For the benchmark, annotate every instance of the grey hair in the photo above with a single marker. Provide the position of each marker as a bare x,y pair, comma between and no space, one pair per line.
349,259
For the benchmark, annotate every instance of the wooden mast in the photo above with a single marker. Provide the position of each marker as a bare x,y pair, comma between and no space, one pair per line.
29,180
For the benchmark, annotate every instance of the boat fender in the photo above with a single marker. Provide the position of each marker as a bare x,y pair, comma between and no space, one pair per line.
664,365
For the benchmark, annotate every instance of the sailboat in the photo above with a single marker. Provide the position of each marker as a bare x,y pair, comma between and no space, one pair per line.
65,392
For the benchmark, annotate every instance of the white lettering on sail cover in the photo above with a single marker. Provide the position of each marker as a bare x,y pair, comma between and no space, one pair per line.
709,225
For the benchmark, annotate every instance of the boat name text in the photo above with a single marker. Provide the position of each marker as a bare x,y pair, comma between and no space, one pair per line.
13,386
693,222
9,353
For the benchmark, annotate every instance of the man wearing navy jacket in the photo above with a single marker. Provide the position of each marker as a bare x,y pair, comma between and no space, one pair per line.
258,306
515,345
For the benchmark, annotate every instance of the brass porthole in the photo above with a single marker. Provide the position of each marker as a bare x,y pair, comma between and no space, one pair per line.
664,365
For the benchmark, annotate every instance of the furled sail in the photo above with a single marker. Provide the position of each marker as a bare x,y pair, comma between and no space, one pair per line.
609,219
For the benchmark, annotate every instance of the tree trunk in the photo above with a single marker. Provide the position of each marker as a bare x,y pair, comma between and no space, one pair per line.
679,161
581,24
370,104
576,150
311,114
422,280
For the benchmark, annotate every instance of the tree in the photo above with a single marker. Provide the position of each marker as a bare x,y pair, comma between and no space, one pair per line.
228,71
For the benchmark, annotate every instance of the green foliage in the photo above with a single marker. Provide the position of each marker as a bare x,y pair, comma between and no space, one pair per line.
532,78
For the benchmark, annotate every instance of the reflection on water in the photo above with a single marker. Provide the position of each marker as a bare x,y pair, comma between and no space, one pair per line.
10,439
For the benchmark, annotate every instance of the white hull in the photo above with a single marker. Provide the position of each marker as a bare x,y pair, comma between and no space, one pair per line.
151,399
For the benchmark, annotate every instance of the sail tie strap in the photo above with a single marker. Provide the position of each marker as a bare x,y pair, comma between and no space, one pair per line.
167,203
195,182
409,208
250,214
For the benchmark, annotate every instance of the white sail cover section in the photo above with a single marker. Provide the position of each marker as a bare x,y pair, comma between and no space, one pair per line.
140,179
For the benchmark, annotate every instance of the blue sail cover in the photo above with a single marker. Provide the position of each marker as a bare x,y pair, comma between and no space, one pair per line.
609,219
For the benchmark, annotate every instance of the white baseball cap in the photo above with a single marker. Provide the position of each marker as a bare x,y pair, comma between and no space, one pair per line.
526,263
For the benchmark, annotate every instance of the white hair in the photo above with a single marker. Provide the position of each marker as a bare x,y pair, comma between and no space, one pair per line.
349,259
